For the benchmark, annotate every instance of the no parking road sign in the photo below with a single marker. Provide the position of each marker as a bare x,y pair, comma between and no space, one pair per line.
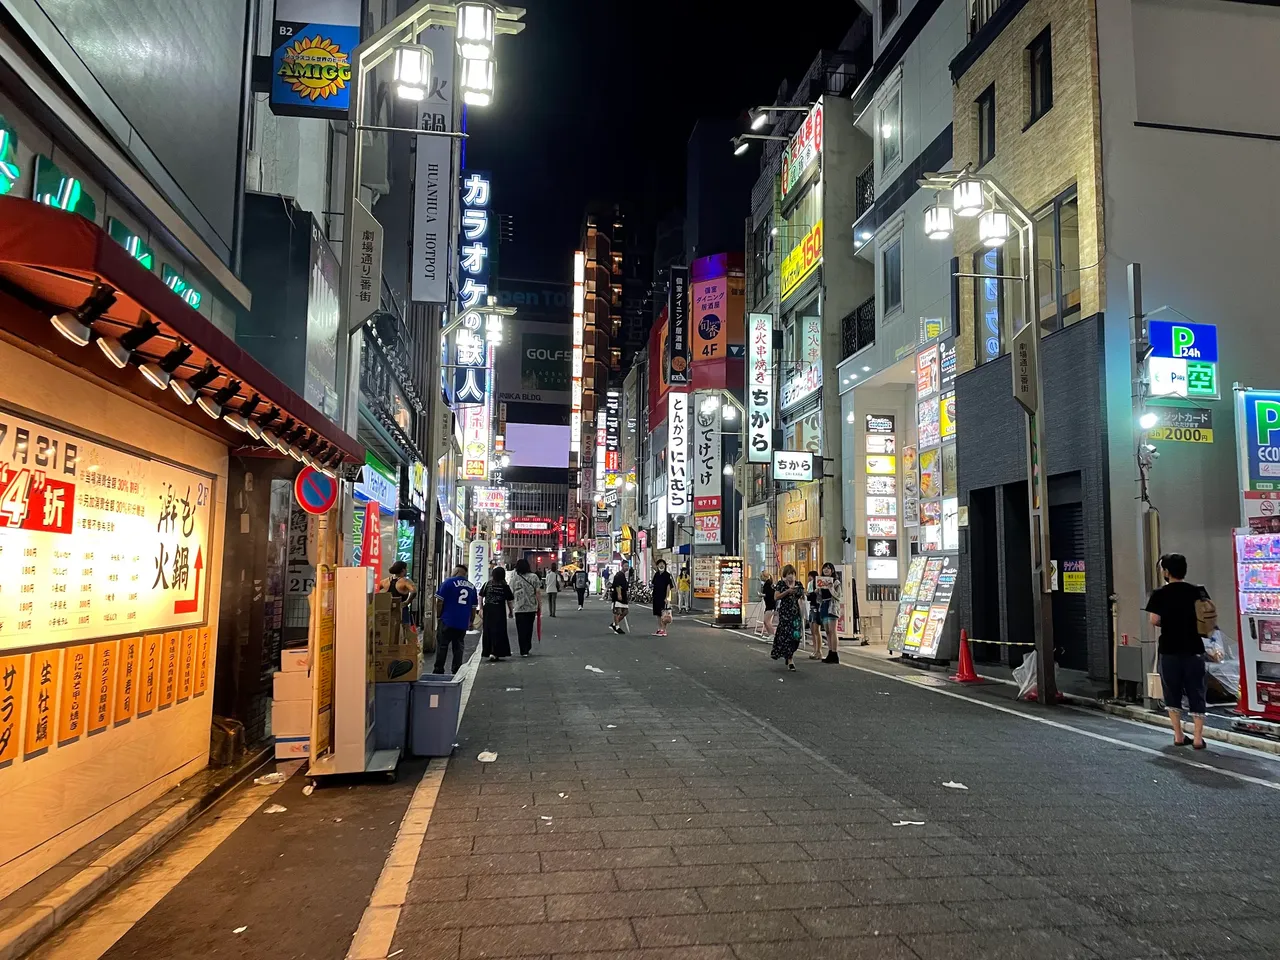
316,492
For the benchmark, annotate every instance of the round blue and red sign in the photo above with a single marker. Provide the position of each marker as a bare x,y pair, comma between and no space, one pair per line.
316,493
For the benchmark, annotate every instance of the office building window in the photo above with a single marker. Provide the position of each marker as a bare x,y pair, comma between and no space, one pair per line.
1040,69
1058,240
891,276
890,132
888,13
986,124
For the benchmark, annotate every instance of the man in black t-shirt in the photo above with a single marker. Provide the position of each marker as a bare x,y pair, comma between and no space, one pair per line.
1172,608
620,591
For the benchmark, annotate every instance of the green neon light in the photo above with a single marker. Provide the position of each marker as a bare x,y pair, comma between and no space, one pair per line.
174,281
56,188
131,242
9,169
1202,379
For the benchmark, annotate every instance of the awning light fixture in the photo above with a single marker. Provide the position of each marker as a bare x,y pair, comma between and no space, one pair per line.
119,350
160,372
212,405
75,324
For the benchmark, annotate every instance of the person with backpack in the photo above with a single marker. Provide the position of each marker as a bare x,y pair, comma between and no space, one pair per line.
1184,615
580,586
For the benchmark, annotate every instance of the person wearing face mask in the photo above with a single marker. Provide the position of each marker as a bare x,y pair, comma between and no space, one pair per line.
790,631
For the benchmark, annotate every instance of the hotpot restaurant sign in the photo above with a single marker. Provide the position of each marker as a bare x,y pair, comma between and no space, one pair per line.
96,542
311,46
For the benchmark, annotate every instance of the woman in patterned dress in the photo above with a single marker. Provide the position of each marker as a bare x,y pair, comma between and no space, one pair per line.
786,639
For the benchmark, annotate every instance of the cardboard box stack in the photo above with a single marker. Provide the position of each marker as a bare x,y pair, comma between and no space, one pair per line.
291,705
396,652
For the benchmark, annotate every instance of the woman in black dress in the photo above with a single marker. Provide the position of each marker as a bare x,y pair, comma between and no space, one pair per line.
496,595
768,595
663,586
786,640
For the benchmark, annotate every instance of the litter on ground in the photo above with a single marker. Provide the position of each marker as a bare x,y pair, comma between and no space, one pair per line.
909,823
309,789
239,929
594,669
268,779
487,756
514,689
951,784
275,808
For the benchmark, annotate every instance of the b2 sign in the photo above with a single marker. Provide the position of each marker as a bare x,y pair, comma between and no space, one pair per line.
790,465
1258,422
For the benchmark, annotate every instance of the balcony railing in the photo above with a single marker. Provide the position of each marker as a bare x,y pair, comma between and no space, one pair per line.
980,11
858,328
864,191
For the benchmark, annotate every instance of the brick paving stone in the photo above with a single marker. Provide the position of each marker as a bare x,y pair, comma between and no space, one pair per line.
440,829
631,903
712,952
655,878
538,842
597,824
811,832
665,838
718,928
546,938
1023,945
610,859
429,866
428,943
843,948
740,853
866,921
474,913
809,871
776,896
540,884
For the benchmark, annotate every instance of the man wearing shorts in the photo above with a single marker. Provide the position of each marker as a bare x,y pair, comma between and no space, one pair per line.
455,606
621,593
1172,609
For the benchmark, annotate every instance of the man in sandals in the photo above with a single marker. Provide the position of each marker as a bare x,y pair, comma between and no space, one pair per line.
1172,609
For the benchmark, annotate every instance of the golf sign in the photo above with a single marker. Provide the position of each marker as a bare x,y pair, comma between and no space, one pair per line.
1258,415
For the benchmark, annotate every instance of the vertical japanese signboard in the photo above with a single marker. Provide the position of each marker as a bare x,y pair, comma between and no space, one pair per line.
310,61
708,479
433,176
94,541
612,439
678,327
470,356
365,295
710,324
802,157
678,498
579,323
760,388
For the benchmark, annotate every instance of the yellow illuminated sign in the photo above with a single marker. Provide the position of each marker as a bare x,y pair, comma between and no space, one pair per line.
802,260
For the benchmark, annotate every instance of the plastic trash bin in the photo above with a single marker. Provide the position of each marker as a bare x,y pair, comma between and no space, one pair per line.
433,716
391,716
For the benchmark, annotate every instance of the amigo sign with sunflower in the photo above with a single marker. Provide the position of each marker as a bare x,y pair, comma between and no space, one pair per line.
316,68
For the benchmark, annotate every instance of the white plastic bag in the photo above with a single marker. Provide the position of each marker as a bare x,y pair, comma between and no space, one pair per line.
1025,675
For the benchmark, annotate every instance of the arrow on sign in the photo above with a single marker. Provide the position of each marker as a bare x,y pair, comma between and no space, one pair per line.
192,605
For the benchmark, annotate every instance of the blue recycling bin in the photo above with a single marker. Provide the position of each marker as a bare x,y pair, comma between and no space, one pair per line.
433,715
391,716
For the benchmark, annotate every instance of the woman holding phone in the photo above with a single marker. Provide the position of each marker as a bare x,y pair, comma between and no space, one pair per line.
786,640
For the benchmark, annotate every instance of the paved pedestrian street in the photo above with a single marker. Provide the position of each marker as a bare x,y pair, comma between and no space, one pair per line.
685,798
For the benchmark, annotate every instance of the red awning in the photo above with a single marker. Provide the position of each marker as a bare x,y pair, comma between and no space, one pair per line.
55,257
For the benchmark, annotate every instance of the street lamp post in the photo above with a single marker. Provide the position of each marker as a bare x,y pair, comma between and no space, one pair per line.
970,191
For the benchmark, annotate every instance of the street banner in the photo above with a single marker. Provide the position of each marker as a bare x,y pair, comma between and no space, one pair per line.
433,177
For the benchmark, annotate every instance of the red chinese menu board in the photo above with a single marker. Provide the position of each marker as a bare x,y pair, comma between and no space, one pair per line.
96,541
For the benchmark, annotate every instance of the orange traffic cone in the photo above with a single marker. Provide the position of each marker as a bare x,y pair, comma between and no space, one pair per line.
966,673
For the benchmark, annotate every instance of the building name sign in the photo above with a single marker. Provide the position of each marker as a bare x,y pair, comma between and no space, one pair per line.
793,466
760,388
802,260
804,153
96,542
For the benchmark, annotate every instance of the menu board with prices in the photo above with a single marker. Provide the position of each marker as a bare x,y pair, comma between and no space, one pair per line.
729,591
1258,600
96,541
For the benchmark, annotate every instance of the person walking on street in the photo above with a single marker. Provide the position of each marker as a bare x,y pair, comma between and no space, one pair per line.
768,595
620,591
455,608
662,587
496,608
1174,608
528,594
553,588
580,585
814,618
790,630
829,610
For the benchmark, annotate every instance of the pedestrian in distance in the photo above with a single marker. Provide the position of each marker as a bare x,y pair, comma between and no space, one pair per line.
554,583
580,585
1185,614
496,607
528,601
829,600
768,595
813,617
620,593
790,629
662,586
455,609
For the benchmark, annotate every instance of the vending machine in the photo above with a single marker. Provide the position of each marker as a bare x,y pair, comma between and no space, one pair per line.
1257,562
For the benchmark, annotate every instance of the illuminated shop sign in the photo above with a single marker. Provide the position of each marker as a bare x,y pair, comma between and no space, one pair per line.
55,188
803,155
678,498
175,282
311,62
760,389
802,260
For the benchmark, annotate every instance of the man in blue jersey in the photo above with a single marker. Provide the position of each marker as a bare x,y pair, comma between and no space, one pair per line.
455,605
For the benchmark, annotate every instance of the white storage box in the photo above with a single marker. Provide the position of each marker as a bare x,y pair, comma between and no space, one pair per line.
294,660
291,718
291,686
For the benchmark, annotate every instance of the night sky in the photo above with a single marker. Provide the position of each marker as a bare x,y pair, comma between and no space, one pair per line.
595,102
